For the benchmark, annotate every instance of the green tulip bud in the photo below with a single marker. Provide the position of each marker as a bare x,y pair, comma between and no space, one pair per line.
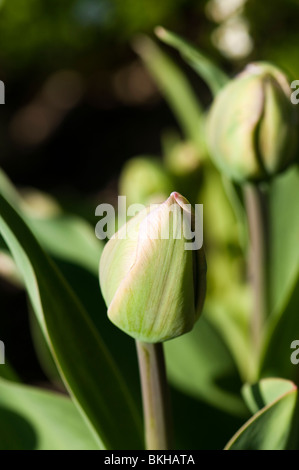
153,286
183,160
252,124
184,163
144,180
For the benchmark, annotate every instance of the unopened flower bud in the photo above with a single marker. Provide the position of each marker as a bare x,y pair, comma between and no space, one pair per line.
153,286
144,181
183,160
252,124
184,163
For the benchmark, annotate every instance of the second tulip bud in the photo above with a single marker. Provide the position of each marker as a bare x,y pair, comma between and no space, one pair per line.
252,124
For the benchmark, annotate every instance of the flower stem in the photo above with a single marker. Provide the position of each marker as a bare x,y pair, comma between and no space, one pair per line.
155,396
257,213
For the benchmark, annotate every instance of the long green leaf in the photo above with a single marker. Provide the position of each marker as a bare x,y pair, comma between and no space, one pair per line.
82,359
206,69
71,243
175,87
32,419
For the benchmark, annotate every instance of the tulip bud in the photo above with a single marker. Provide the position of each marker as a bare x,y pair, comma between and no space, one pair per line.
251,128
153,286
184,163
144,180
183,160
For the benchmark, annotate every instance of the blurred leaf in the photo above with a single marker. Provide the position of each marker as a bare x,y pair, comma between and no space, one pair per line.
200,364
234,194
8,189
7,372
228,295
69,238
175,88
281,332
206,69
231,321
284,233
8,268
34,419
283,325
274,426
220,223
83,361
210,427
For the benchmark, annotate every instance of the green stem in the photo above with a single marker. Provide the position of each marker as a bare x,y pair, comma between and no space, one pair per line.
155,396
256,206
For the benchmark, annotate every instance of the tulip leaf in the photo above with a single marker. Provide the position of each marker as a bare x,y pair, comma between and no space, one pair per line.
266,391
228,297
274,425
206,69
43,351
68,238
8,269
34,419
232,323
200,365
284,233
174,86
8,189
283,327
84,363
277,357
64,236
72,245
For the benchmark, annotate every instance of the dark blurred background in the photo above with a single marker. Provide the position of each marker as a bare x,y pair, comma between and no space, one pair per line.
79,102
